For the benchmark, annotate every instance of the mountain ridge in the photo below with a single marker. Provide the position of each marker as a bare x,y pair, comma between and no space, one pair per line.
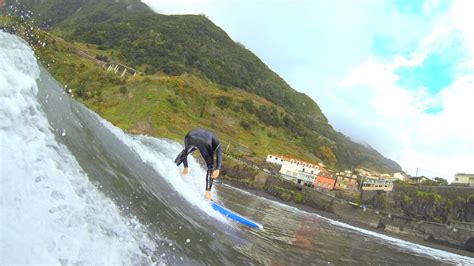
192,44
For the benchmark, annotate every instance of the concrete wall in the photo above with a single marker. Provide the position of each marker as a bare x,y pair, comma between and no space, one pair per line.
434,232
459,236
452,235
451,192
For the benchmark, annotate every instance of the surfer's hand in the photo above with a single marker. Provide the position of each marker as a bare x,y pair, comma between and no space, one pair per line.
208,195
185,171
215,174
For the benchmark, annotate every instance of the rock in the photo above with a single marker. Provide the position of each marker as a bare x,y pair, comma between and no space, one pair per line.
261,179
469,246
430,238
381,226
142,127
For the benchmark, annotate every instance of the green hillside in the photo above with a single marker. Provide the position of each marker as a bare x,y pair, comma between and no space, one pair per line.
193,74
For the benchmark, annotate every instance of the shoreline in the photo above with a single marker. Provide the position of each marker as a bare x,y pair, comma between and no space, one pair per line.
332,216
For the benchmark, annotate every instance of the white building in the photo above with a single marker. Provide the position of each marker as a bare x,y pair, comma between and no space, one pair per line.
299,171
276,159
374,184
399,176
464,179
385,176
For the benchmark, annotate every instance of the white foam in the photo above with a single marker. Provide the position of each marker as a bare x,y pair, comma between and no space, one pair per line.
402,244
49,211
160,155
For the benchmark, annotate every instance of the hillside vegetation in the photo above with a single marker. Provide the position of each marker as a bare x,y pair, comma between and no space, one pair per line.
193,75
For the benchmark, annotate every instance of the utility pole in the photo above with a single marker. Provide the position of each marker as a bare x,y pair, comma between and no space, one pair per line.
416,175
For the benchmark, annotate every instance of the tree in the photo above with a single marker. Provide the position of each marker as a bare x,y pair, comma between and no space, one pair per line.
327,155
429,182
441,181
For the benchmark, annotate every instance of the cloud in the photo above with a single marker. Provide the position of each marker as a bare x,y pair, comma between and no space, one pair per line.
418,104
436,72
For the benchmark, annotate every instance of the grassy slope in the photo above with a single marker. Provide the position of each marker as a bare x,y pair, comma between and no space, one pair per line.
182,97
161,105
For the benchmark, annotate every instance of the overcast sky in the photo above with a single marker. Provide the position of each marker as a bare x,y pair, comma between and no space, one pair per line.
396,74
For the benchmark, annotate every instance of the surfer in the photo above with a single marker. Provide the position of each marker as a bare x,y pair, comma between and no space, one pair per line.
208,145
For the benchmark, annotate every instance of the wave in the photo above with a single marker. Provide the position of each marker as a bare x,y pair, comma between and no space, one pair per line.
50,212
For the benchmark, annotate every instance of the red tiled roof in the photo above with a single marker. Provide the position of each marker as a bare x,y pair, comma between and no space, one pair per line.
296,160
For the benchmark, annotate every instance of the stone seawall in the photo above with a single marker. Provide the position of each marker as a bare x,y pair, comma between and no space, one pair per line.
346,211
434,232
428,231
451,192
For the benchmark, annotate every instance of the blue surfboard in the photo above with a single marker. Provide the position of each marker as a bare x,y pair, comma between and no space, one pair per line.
235,216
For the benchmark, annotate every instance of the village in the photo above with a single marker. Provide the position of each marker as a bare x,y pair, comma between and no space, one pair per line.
317,176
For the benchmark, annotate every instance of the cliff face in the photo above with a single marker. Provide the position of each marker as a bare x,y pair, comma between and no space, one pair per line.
409,212
190,44
432,207
427,204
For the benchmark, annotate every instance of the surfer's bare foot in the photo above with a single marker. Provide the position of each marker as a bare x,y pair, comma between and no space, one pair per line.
185,171
215,174
208,195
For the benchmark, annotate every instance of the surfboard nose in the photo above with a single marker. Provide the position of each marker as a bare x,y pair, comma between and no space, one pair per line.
236,217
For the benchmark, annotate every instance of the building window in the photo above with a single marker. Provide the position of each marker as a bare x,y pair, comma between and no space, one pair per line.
457,179
270,156
312,172
303,169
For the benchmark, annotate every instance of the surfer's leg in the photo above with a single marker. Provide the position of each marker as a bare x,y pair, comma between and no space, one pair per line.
209,179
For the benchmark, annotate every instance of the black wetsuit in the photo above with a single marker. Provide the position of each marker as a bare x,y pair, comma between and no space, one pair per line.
208,145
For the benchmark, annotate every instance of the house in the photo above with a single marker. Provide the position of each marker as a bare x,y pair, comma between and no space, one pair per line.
276,159
464,179
417,179
376,184
346,182
385,176
299,172
398,176
325,181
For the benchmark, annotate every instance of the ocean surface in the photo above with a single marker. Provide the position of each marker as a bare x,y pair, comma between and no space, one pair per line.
77,190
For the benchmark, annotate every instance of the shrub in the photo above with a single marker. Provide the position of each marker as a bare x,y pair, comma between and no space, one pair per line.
245,125
224,102
299,197
102,57
248,105
81,92
123,89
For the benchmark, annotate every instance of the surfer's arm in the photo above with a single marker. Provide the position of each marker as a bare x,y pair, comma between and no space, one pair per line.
217,169
185,161
218,158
